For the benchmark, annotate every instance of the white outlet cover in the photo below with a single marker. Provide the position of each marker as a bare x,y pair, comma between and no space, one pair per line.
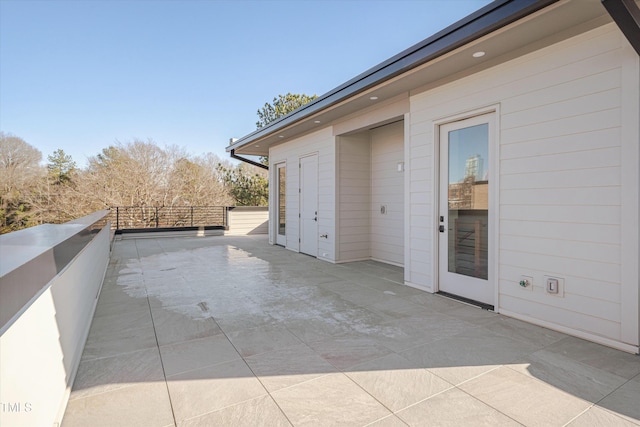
560,280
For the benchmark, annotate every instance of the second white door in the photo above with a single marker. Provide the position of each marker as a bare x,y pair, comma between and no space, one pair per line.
309,205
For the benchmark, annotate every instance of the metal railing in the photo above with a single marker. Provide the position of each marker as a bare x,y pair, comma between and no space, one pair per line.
157,217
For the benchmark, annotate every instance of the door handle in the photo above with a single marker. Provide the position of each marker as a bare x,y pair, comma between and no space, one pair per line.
442,228
315,219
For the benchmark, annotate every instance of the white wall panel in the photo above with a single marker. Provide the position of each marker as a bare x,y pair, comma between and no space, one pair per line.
354,183
563,186
321,142
387,189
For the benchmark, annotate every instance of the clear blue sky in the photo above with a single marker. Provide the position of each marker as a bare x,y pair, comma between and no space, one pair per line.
81,75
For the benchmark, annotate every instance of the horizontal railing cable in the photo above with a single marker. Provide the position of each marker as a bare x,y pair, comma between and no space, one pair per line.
148,217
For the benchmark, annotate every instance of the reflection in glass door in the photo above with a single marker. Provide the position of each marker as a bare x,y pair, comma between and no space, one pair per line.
464,208
281,205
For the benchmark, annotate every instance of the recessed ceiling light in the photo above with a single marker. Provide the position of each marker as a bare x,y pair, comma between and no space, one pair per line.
373,98
280,136
478,54
257,146
316,121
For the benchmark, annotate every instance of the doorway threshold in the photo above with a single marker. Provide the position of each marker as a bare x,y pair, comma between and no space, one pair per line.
469,301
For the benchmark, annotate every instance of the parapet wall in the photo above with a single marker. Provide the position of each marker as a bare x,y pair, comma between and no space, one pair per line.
50,279
247,220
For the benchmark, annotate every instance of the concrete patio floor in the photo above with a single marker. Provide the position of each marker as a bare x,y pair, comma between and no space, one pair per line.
221,331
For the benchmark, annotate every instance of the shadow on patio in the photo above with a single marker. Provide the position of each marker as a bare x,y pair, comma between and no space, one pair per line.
232,331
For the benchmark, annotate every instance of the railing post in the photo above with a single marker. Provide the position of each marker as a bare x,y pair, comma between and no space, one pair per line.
157,219
117,217
192,216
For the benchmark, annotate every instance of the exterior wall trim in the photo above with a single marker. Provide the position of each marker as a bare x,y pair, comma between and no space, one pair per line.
407,197
630,159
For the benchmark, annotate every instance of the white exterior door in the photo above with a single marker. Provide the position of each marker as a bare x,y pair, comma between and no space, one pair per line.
309,205
465,252
281,205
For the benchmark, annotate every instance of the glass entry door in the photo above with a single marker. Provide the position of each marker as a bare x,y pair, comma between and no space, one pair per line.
281,204
464,222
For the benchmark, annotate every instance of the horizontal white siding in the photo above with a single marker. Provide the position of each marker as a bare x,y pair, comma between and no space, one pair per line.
248,221
387,189
561,178
321,142
354,183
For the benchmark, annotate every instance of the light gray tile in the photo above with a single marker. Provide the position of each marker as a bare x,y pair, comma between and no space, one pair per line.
106,325
316,329
625,401
454,408
390,421
393,287
413,331
139,405
398,308
234,322
468,354
118,342
397,336
283,298
183,323
566,374
259,412
365,296
524,399
348,351
473,315
394,382
433,302
340,286
517,329
596,416
360,320
608,359
283,368
116,294
261,340
210,389
196,354
121,307
330,400
110,373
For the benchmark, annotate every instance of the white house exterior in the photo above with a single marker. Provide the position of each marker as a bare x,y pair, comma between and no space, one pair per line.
483,175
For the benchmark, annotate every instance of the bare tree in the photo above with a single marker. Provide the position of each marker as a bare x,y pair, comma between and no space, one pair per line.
196,181
153,180
20,171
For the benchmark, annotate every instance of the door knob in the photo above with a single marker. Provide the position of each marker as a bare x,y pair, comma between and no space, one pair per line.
442,228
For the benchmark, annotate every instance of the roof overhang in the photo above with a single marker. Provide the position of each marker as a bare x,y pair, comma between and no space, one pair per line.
626,14
503,30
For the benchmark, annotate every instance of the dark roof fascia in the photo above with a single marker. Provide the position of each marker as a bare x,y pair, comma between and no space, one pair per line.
249,161
480,23
626,15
